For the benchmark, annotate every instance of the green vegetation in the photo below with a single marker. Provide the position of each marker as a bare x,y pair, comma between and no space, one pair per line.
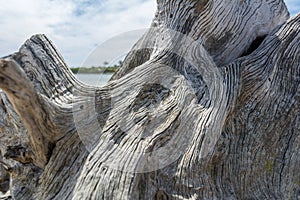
94,70
97,70
269,166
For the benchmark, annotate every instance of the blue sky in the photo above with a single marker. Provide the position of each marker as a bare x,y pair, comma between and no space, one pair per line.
293,6
76,26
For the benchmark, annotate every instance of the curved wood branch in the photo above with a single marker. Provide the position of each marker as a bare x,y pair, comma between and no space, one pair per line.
32,109
44,93
178,123
227,29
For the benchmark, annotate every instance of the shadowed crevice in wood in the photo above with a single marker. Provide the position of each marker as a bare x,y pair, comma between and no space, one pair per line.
19,153
4,177
254,45
177,121
263,126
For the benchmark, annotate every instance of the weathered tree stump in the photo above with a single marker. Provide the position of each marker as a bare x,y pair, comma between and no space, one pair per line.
205,106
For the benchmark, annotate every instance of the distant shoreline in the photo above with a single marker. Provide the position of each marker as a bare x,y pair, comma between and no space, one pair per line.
95,70
110,73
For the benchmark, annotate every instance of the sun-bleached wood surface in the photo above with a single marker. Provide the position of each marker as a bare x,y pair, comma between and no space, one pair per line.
205,106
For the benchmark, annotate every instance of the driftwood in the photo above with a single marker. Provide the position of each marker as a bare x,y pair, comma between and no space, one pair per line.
205,106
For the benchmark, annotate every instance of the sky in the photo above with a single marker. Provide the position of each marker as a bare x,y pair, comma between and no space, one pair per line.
79,28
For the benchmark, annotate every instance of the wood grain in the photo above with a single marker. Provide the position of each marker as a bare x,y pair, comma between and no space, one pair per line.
205,106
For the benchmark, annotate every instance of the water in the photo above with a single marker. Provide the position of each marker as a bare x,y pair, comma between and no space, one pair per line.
94,79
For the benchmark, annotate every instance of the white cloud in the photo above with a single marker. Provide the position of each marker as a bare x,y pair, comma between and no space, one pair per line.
75,26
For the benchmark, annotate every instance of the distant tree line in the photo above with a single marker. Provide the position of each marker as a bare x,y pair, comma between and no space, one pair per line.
97,70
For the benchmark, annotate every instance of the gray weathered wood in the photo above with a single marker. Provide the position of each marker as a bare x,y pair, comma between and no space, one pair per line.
199,110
